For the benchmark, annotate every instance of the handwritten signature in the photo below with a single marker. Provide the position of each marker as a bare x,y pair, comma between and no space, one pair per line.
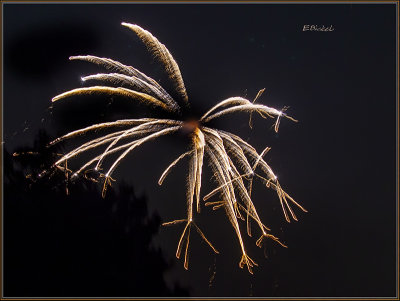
318,28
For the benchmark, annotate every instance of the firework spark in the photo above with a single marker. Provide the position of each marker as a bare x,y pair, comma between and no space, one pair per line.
233,161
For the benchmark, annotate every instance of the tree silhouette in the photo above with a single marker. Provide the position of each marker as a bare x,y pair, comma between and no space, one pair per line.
77,243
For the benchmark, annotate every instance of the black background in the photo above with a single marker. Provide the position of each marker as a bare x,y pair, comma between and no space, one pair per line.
338,160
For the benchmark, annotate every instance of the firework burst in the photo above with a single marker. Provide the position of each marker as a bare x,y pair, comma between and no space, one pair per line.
234,162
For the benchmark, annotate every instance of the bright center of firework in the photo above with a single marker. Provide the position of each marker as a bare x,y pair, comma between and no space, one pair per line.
191,125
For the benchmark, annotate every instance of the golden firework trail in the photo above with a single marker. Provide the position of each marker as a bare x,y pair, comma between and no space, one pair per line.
234,162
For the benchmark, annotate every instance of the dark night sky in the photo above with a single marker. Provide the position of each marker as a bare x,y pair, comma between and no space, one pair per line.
338,160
